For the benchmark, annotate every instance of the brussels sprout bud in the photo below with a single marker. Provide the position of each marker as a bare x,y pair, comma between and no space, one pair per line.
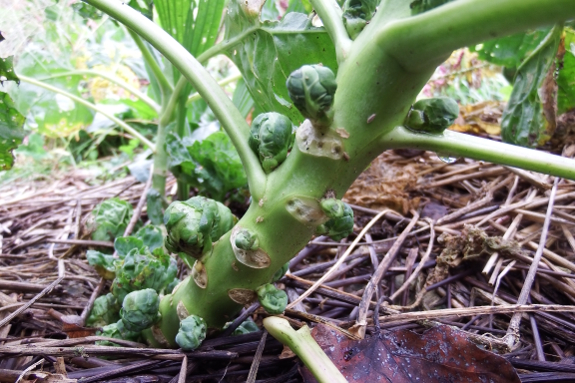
247,326
246,240
271,137
356,14
340,223
280,273
312,88
117,331
194,224
140,310
105,311
432,115
272,299
192,332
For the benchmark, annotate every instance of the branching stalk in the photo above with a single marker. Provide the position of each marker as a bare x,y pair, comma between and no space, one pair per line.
331,16
226,112
420,40
94,107
112,79
454,144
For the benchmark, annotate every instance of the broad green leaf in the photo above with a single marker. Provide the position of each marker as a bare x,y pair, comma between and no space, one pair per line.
212,166
269,51
7,72
11,132
52,114
109,219
302,6
221,169
103,263
151,236
204,30
180,163
176,17
242,98
145,7
123,245
527,120
510,51
566,78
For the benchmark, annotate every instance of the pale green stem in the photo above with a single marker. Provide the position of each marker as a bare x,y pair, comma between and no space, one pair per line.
331,16
228,80
454,144
160,161
94,107
110,78
224,109
213,51
165,86
426,38
306,348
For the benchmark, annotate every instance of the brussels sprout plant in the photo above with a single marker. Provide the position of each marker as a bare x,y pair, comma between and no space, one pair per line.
351,99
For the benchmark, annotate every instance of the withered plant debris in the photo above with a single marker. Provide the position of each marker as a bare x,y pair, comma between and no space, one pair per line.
440,354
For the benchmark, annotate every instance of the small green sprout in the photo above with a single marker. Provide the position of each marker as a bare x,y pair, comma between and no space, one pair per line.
140,310
280,273
272,299
271,138
194,224
356,14
143,270
340,223
312,89
110,219
432,115
117,331
192,332
247,326
105,311
246,240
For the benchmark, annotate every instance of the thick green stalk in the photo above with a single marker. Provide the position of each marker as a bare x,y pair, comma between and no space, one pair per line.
331,16
113,79
160,159
228,115
427,38
454,144
94,107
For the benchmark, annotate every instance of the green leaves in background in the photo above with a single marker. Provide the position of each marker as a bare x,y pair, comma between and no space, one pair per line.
529,119
510,51
11,132
11,121
7,69
212,165
267,52
566,78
